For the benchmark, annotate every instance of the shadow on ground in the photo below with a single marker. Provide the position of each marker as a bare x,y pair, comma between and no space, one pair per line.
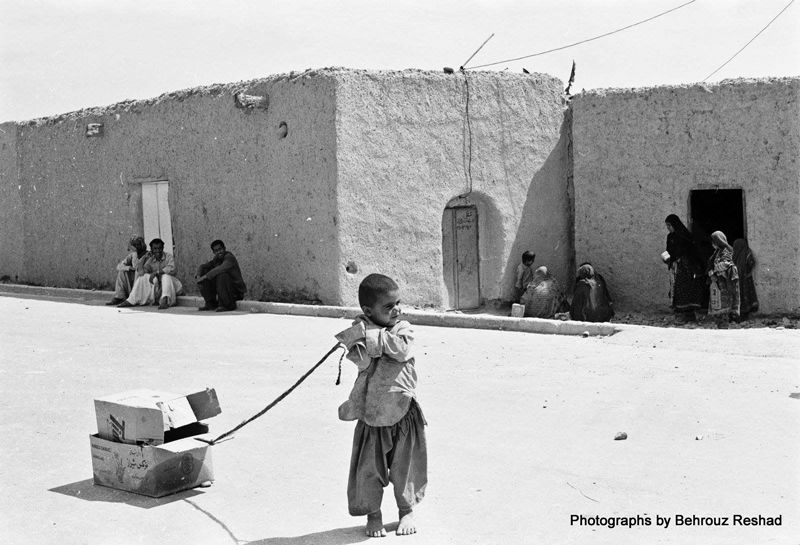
88,491
339,536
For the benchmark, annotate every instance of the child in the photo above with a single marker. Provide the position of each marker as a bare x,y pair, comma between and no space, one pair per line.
389,441
524,274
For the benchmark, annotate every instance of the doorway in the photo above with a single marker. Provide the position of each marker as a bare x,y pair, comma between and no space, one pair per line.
460,256
718,210
155,213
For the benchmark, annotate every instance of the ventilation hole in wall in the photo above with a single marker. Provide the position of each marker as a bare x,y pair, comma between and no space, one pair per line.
283,129
351,267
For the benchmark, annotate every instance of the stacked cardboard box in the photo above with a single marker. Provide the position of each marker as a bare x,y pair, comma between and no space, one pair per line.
145,441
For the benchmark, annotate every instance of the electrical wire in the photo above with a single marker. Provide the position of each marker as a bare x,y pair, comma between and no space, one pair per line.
751,41
468,169
585,41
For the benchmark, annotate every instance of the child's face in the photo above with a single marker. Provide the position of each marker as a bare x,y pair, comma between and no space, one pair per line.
386,310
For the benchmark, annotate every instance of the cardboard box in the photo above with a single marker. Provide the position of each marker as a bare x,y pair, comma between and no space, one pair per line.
145,441
151,470
144,416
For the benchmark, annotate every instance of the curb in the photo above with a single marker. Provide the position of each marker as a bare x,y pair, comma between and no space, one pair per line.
417,317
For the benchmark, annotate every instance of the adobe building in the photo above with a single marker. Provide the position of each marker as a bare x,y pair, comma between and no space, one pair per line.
313,180
440,180
722,157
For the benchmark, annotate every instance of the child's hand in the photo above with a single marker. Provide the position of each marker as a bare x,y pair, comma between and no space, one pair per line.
352,335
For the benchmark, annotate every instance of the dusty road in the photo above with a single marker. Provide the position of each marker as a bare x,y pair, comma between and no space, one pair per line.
521,431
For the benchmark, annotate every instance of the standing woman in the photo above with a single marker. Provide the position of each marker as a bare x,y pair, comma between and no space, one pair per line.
724,297
745,263
686,268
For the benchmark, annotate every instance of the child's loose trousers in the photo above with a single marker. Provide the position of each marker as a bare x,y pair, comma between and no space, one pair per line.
396,454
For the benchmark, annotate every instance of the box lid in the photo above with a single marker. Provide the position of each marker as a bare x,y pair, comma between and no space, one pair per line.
142,416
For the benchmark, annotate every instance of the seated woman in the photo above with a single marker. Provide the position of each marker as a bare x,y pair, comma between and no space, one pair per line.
591,301
543,297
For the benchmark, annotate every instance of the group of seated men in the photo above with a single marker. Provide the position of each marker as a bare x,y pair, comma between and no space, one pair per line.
148,278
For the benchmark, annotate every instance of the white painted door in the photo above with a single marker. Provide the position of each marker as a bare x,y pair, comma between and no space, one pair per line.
155,213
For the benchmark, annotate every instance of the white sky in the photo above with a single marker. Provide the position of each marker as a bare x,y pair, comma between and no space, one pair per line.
63,55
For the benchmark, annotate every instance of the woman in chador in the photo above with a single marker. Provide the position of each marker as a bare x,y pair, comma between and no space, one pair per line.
745,263
543,297
686,267
591,301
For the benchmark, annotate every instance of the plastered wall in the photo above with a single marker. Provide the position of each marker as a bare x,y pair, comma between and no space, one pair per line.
232,175
638,154
410,142
11,211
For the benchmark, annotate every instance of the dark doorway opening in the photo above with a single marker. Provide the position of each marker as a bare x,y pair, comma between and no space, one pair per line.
717,210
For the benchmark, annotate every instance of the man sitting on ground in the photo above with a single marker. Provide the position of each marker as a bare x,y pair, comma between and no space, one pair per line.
126,269
220,280
157,283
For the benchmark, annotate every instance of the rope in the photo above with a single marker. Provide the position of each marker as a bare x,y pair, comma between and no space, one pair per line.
284,394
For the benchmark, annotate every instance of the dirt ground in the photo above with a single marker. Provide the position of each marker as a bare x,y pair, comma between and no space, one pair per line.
521,431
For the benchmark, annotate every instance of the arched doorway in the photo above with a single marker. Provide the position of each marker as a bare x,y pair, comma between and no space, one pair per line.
460,256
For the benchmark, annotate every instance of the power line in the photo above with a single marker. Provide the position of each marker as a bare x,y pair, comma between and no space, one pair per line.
751,41
587,40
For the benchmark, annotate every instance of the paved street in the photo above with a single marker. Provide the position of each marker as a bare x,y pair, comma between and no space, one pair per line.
521,430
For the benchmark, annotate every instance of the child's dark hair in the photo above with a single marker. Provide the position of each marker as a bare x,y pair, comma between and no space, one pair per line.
528,256
372,286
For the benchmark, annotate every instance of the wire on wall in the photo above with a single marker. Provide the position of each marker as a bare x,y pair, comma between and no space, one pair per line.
751,41
584,41
468,158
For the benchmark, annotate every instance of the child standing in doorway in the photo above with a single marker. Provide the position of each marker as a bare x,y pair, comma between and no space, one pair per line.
524,274
389,441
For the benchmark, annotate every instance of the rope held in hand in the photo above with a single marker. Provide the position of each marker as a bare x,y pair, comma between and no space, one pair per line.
284,394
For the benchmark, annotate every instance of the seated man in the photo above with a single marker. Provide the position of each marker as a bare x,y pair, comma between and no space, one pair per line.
220,280
126,269
157,283
591,301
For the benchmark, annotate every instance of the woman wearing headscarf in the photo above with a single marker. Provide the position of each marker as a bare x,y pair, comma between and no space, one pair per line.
723,300
686,267
591,301
543,297
745,263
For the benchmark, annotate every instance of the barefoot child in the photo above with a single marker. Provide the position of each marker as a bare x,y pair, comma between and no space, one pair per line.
389,441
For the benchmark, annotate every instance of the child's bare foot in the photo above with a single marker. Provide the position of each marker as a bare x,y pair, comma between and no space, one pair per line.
406,525
375,525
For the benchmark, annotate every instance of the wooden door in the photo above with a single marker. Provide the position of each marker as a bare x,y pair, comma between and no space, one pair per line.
155,213
460,240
